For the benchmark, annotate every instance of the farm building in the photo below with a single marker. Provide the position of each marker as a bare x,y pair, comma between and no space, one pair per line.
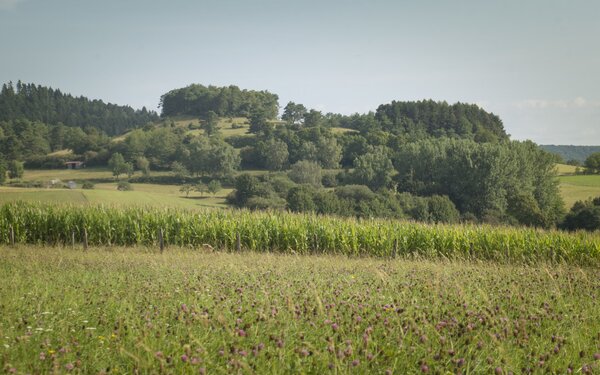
74,164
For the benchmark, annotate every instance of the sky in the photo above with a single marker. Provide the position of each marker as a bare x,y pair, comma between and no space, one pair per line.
534,63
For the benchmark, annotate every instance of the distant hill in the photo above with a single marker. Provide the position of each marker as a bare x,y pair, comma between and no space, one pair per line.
44,104
569,152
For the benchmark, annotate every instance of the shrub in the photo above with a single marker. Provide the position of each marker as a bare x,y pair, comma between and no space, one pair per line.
583,215
306,172
442,210
262,203
301,199
354,192
329,180
124,186
87,185
281,184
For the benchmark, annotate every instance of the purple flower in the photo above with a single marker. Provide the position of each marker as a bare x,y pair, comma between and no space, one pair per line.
184,358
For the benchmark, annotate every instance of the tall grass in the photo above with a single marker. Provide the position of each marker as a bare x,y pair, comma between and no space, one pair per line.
290,233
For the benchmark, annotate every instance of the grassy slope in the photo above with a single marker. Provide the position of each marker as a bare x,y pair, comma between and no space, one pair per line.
565,169
224,125
575,188
128,309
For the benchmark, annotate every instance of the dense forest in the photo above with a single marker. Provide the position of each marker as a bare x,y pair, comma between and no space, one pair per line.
198,100
575,155
427,161
52,107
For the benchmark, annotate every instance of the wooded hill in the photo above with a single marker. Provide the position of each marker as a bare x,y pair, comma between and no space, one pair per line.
570,153
426,160
44,104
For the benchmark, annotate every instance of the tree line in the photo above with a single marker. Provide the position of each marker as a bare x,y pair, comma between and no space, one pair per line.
44,104
433,180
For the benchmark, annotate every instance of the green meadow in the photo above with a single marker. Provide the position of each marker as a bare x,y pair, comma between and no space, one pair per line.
107,193
133,310
580,187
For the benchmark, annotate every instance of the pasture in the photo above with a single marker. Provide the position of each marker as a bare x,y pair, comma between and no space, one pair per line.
580,187
565,169
129,310
107,193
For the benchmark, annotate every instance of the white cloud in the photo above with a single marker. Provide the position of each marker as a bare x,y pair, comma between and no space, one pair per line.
576,103
9,4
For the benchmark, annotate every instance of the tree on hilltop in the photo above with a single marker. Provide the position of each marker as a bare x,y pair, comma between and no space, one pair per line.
592,163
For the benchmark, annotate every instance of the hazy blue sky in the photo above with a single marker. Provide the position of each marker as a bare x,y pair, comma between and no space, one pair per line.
535,63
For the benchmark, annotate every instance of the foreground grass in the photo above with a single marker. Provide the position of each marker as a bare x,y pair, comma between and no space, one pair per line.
122,310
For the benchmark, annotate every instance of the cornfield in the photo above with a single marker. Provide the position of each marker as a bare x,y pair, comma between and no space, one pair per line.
288,233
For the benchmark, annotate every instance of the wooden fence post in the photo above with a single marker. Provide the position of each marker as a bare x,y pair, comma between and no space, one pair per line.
316,242
238,242
161,240
85,239
73,239
395,253
12,236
